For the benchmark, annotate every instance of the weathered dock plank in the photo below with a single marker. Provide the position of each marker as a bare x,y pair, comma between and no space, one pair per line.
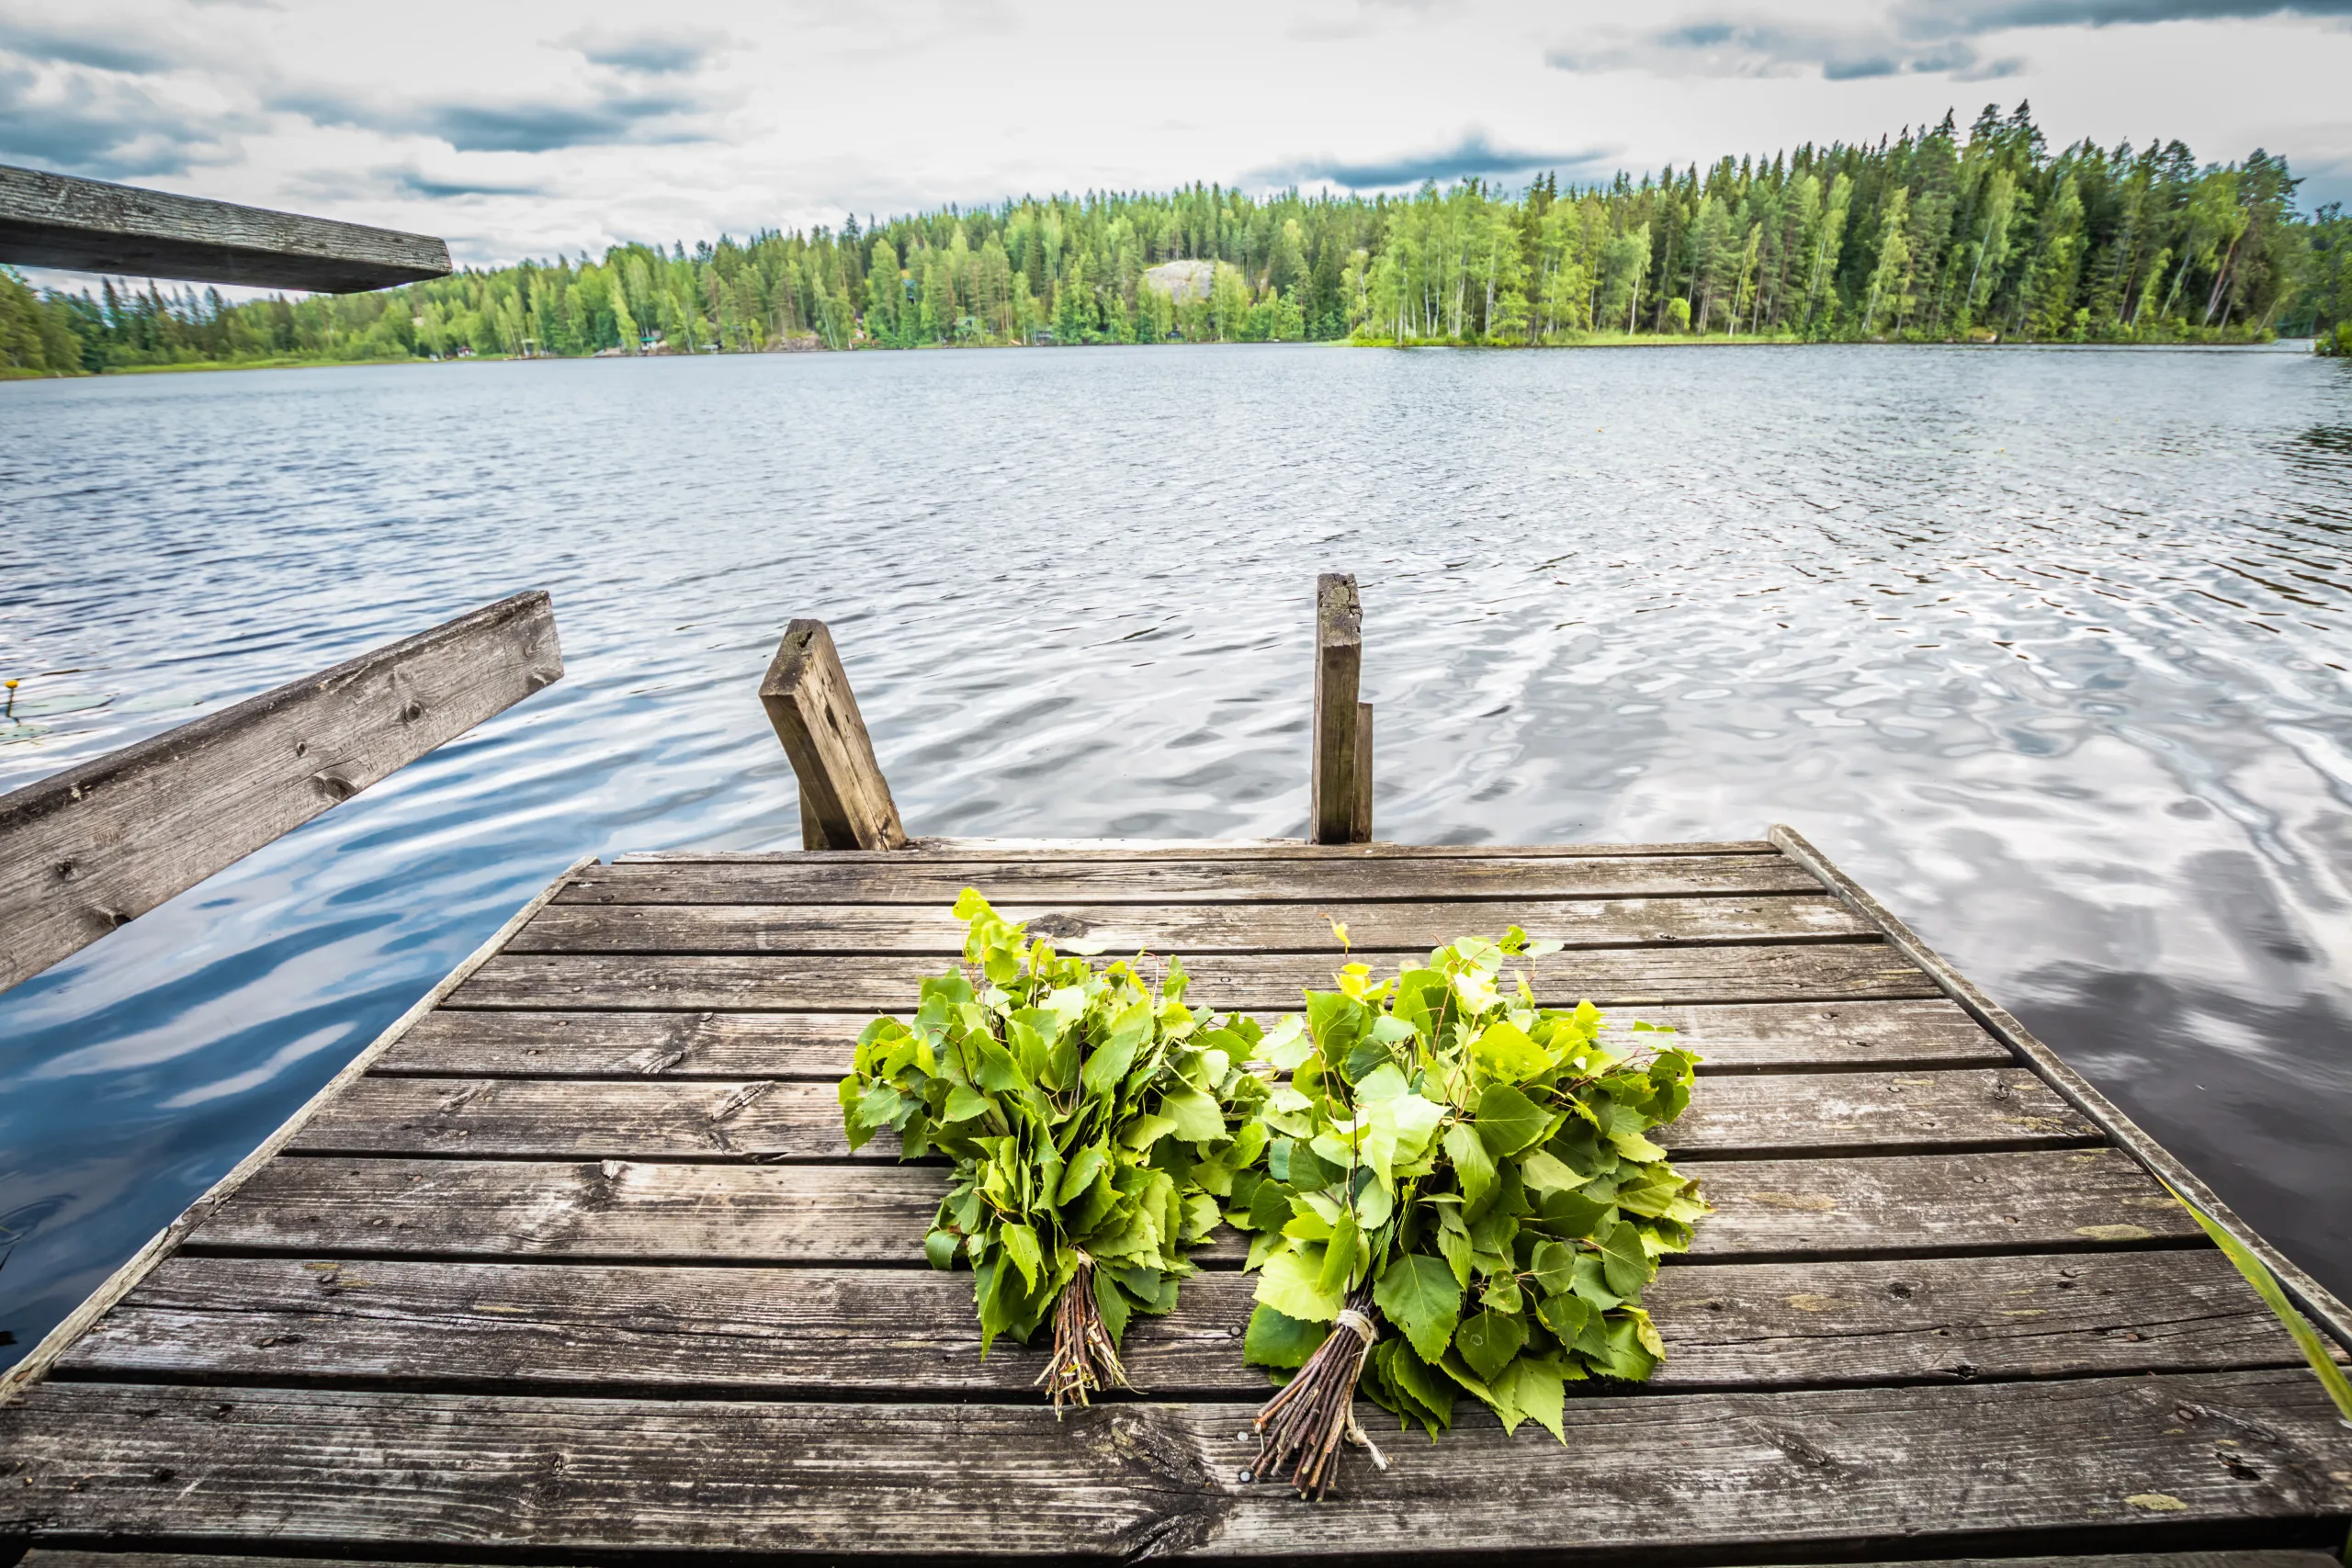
2066,1463
831,1332
1608,976
2285,1557
1189,930
644,1209
1738,1038
762,1117
1076,879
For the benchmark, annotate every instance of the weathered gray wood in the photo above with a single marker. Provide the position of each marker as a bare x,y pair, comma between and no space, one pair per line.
1760,1037
85,851
854,1333
1359,825
916,878
654,1118
1623,977
2317,1303
2278,1558
621,1209
1190,929
1340,765
941,849
89,226
2116,1462
842,793
36,1362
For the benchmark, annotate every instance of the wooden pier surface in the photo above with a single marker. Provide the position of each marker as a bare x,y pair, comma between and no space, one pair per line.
578,1268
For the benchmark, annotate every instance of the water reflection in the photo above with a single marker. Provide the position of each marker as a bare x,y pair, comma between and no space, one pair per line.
2045,646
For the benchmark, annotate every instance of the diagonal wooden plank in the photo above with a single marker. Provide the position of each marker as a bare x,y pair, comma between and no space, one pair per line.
1816,1473
619,1208
915,878
651,1118
2284,1557
1188,929
1739,1038
943,850
88,849
1625,977
852,1333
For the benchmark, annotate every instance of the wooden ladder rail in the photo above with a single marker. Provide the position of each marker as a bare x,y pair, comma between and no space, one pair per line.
85,851
1339,792
844,800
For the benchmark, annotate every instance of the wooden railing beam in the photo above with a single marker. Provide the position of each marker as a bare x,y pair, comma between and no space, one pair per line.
1339,794
91,226
86,849
844,801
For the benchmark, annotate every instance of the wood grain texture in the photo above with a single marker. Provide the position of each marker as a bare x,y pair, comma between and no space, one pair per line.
915,878
90,226
622,1210
1761,1037
653,1118
940,850
90,848
826,1332
2066,1464
1189,930
1623,977
844,801
2283,1557
1337,732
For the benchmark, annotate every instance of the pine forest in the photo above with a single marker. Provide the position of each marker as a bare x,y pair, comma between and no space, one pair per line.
1935,236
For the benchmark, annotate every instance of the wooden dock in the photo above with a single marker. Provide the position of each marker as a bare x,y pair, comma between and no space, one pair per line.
574,1266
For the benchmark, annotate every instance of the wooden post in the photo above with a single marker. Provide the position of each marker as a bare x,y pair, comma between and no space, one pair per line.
83,851
1339,796
844,801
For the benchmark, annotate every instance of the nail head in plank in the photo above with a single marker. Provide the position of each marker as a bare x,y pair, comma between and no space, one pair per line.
49,220
86,849
1810,1473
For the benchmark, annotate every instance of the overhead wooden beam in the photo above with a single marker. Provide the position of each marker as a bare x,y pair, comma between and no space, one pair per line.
88,849
1339,794
844,801
90,226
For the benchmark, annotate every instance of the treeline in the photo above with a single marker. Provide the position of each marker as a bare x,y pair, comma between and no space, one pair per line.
1936,235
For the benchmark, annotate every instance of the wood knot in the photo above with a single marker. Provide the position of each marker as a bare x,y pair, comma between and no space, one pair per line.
411,712
334,786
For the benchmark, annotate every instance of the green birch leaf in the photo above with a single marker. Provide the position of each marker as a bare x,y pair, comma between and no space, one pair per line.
1488,1341
1541,1172
1624,1261
1291,1282
1194,1116
1504,1053
1453,1245
1020,1246
1509,1121
1473,1166
1564,1315
1420,1294
1339,1254
1536,1392
1276,1339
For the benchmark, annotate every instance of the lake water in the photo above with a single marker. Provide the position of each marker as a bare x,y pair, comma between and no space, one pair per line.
2047,648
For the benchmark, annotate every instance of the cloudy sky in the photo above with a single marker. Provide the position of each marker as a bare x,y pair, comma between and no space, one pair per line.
514,128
